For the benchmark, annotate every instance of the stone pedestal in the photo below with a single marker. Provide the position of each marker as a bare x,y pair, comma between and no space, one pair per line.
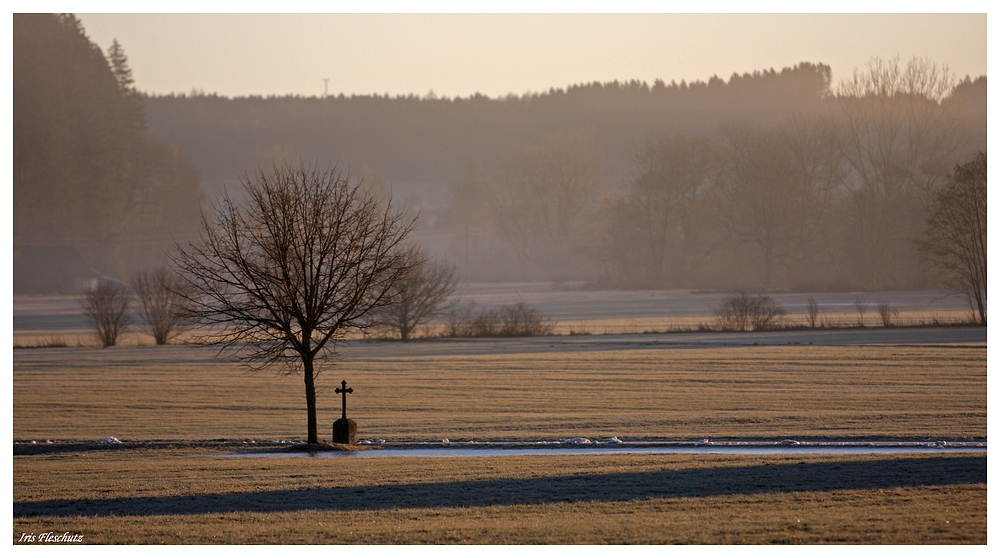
345,431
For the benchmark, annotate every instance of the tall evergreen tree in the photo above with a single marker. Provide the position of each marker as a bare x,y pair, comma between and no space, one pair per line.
86,171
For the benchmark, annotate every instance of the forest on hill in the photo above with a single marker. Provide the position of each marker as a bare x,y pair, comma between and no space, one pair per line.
430,140
776,179
772,179
88,172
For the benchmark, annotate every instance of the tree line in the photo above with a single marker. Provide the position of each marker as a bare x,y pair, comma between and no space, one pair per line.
767,180
87,170
770,179
430,139
835,198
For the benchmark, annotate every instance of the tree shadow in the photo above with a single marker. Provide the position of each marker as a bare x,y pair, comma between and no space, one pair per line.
606,487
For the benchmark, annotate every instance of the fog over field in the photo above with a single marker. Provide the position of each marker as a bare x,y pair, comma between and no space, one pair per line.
794,176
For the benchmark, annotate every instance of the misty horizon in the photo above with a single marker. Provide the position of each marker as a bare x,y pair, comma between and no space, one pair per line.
622,184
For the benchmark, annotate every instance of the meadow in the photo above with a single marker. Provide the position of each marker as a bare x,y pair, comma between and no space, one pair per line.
484,390
180,411
187,497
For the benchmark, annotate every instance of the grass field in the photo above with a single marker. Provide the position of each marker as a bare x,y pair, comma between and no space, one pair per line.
691,393
180,497
492,390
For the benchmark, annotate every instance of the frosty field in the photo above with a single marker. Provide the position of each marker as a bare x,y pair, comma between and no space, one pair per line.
502,390
170,480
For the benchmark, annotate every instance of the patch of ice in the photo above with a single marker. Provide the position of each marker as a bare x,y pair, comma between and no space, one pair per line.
111,440
364,442
577,441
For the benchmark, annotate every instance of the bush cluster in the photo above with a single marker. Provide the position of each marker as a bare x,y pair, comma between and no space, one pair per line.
517,320
744,312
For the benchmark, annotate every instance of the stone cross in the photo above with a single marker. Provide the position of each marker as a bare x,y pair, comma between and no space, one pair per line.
345,390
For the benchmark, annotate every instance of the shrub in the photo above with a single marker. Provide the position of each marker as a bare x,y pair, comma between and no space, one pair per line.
161,302
106,307
744,312
888,314
517,320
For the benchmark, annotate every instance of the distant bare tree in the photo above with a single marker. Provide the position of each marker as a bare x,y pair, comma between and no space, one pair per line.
545,194
861,304
774,188
106,308
899,141
657,218
812,312
887,313
284,275
161,302
418,295
955,241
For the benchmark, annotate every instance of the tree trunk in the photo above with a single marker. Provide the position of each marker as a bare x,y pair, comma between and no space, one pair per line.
307,364
981,307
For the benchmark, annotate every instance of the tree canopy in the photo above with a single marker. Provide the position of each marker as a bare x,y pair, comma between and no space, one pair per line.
282,276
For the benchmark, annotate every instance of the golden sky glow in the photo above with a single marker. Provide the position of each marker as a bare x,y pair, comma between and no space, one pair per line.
496,54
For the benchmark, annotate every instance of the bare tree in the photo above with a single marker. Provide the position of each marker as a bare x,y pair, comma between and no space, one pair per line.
899,141
955,241
419,295
161,302
861,304
812,311
657,218
106,308
774,188
546,192
284,275
887,313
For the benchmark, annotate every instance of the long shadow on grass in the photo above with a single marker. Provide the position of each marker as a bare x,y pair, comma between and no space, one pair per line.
699,482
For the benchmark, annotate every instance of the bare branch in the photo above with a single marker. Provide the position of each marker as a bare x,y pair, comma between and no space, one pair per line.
283,276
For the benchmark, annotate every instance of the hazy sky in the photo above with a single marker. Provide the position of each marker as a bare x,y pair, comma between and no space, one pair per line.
459,55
